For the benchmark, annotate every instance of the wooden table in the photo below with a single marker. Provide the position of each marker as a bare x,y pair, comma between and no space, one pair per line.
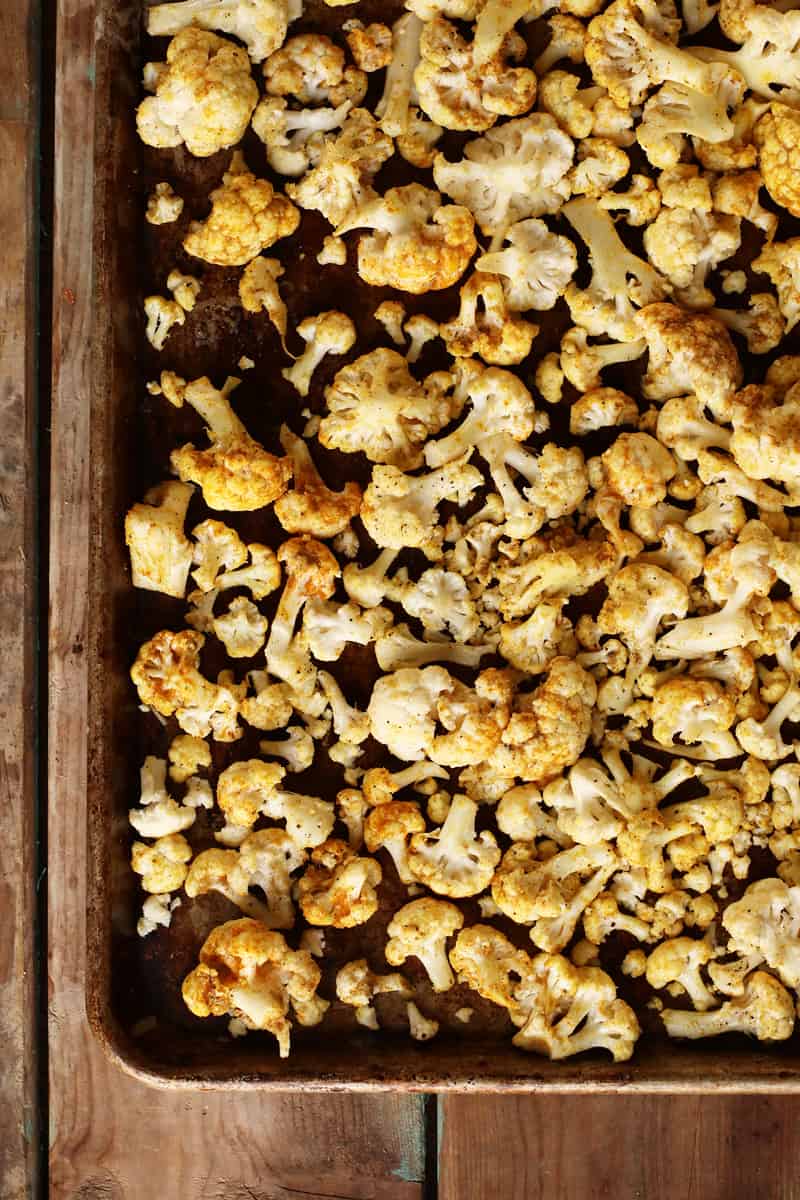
111,1137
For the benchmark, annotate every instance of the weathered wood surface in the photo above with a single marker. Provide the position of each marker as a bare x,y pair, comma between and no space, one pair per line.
18,233
618,1148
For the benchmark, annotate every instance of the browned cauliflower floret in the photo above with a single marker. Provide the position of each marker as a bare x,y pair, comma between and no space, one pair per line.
311,506
249,973
458,93
258,291
340,889
162,865
400,511
455,860
781,262
420,930
243,791
600,164
236,474
400,413
685,245
417,245
689,352
247,216
161,554
777,136
389,826
310,67
485,960
163,205
635,468
764,1009
761,325
548,727
696,714
370,46
765,441
358,986
204,95
547,570
168,680
330,332
260,24
599,408
341,181
484,325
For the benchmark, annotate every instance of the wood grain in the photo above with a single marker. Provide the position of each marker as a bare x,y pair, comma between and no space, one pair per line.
18,232
113,1137
618,1148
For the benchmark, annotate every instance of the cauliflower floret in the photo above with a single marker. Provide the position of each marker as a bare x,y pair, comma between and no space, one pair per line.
339,889
635,469
781,262
162,866
628,59
249,972
421,1028
161,554
777,136
762,325
548,571
394,107
261,575
186,755
341,181
204,94
162,316
421,930
600,164
159,815
582,363
392,314
765,1010
549,727
499,404
587,805
535,267
311,507
440,600
370,46
739,195
309,820
418,245
185,289
223,871
247,216
296,749
241,629
329,332
567,41
484,326
458,92
260,24
599,408
156,910
328,627
400,510
163,205
401,414
168,680
683,186
676,112
531,645
311,573
294,139
765,436
454,860
686,245
689,353
333,252
516,171
619,278
485,960
271,706
399,648
258,291
311,68
243,790
402,710
557,482
603,917
698,712
358,986
389,826
679,961
549,378
768,59
561,95
235,473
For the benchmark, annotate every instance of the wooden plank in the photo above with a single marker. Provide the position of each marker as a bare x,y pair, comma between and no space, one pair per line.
18,234
111,1135
624,1148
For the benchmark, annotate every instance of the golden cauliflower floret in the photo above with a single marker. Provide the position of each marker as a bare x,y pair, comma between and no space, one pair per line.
258,291
458,93
245,787
186,756
389,826
247,216
764,1010
401,511
162,866
599,408
421,930
311,507
766,436
235,473
777,136
417,245
310,67
248,972
167,677
781,262
697,714
375,405
689,353
161,554
485,960
260,24
685,245
636,469
341,181
548,728
358,986
484,325
370,46
340,888
455,860
204,95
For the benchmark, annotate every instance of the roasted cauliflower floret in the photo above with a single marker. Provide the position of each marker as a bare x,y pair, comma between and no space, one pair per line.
342,179
780,261
400,510
243,790
248,972
484,326
535,266
294,139
417,244
679,961
421,930
312,507
310,67
689,353
370,46
204,94
402,710
162,865
161,554
677,111
389,826
635,468
247,216
685,245
311,573
765,1010
329,332
777,136
531,645
458,93
339,889
260,24
163,205
600,164
699,714
454,860
258,291
167,677
358,986
601,408
400,416
235,473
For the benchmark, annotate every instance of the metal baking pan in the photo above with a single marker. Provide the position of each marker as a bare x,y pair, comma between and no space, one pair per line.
133,988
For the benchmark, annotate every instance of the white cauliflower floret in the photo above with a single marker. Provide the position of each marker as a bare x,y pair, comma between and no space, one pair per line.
160,815
561,95
780,261
402,710
768,59
294,139
761,325
454,860
499,404
619,280
342,179
421,930
600,408
600,164
186,755
312,507
350,725
358,986
686,245
531,645
163,205
693,717
567,42
676,112
161,554
400,510
484,326
441,601
260,24
459,93
156,910
556,482
162,316
535,267
582,363
204,94
679,961
161,865
400,416
689,353
258,291
311,573
417,245
765,1010
329,626
185,289
296,749
327,333
310,67
392,314
587,805
521,817
765,442
516,171
399,648
683,427
241,629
